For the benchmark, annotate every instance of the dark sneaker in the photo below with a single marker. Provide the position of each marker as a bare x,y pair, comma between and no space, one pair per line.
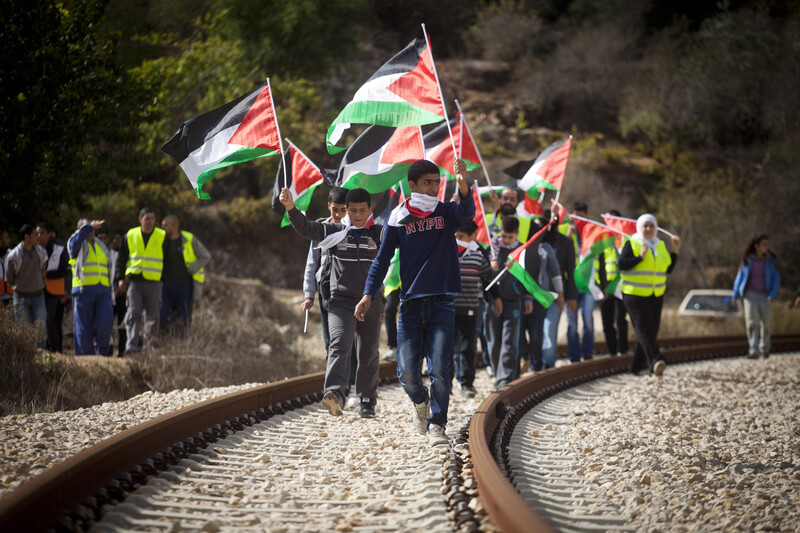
659,367
468,392
752,356
436,435
765,355
333,403
419,415
366,408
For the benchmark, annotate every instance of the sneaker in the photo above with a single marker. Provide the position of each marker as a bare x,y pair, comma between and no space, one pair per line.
490,371
659,367
389,355
468,392
436,435
524,365
352,402
765,355
366,408
752,356
333,403
419,416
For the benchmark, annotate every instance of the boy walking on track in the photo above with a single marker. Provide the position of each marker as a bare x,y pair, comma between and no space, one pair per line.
423,228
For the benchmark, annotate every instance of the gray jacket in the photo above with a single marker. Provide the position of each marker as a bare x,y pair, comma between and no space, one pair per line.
351,260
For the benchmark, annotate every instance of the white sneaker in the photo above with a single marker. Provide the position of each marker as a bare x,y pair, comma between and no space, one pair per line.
659,367
436,435
389,355
490,371
419,415
352,402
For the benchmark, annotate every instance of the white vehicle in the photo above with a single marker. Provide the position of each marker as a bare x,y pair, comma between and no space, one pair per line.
709,303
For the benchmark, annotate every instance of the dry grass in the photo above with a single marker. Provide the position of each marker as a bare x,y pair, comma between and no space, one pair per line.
241,332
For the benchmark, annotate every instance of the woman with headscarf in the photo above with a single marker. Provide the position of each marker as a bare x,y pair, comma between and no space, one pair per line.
757,283
644,263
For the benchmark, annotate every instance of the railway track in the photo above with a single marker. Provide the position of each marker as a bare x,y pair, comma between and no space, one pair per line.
228,448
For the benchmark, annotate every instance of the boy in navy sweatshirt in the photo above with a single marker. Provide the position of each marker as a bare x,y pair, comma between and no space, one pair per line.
423,228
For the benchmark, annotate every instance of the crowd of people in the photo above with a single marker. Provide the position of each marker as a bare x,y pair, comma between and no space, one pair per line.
149,275
422,275
427,275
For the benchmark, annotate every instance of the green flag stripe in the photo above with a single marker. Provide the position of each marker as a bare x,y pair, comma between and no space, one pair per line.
542,296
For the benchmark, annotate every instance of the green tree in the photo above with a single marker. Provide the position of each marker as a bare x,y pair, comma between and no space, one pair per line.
69,110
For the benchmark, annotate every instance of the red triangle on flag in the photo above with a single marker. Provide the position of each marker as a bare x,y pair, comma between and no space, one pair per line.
305,174
404,146
259,127
533,206
419,86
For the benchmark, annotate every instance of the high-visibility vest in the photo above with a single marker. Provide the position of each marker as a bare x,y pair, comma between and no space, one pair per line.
391,282
5,287
189,257
95,268
55,286
610,262
649,277
147,261
494,221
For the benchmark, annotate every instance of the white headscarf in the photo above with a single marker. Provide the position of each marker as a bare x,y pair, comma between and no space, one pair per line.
336,237
639,235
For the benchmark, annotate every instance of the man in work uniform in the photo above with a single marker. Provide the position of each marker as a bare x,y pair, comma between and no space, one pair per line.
139,266
506,206
91,290
57,284
184,260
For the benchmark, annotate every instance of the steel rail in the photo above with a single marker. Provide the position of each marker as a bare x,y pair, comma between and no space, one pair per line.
492,423
77,488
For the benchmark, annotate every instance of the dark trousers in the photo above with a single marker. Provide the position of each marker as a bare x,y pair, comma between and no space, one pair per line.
55,322
465,349
613,311
504,342
390,317
645,314
326,337
534,325
120,308
176,305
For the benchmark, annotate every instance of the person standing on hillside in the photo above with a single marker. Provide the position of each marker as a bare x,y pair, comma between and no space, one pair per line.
57,284
140,264
423,228
6,292
644,263
25,266
756,284
182,279
91,290
352,246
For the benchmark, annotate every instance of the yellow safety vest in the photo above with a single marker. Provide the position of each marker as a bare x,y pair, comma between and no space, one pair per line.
147,261
95,269
189,257
495,221
649,277
610,261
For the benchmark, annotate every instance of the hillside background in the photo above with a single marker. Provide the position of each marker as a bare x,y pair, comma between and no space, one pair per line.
685,109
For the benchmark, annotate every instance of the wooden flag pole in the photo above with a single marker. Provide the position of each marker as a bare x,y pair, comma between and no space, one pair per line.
483,166
441,96
280,139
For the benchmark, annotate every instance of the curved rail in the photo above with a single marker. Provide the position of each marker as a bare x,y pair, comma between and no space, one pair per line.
72,493
493,422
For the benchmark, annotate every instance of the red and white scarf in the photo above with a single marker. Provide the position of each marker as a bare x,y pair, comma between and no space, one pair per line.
335,238
417,207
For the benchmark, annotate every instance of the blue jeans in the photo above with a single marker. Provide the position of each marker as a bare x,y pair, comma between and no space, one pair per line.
575,348
550,336
425,329
30,308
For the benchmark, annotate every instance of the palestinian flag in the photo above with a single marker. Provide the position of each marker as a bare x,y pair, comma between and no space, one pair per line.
380,158
239,131
518,271
533,208
302,178
484,236
595,239
403,92
544,172
626,226
439,148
